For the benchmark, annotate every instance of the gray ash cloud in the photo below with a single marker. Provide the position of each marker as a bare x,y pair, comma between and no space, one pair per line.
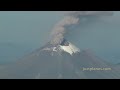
72,18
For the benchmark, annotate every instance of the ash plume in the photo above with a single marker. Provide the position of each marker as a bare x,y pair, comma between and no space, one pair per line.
72,18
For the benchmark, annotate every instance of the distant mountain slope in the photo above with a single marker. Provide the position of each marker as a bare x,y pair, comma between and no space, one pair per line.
50,63
12,51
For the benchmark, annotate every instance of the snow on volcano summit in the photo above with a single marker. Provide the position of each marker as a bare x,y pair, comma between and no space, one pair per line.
65,46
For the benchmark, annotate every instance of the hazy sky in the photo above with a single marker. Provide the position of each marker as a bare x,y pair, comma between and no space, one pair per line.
102,36
34,28
26,26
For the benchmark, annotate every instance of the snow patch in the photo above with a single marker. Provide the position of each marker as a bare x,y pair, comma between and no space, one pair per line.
70,49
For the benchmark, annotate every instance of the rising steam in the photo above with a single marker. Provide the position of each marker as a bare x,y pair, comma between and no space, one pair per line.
72,18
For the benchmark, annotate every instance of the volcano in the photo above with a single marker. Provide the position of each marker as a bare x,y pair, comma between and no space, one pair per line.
63,61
